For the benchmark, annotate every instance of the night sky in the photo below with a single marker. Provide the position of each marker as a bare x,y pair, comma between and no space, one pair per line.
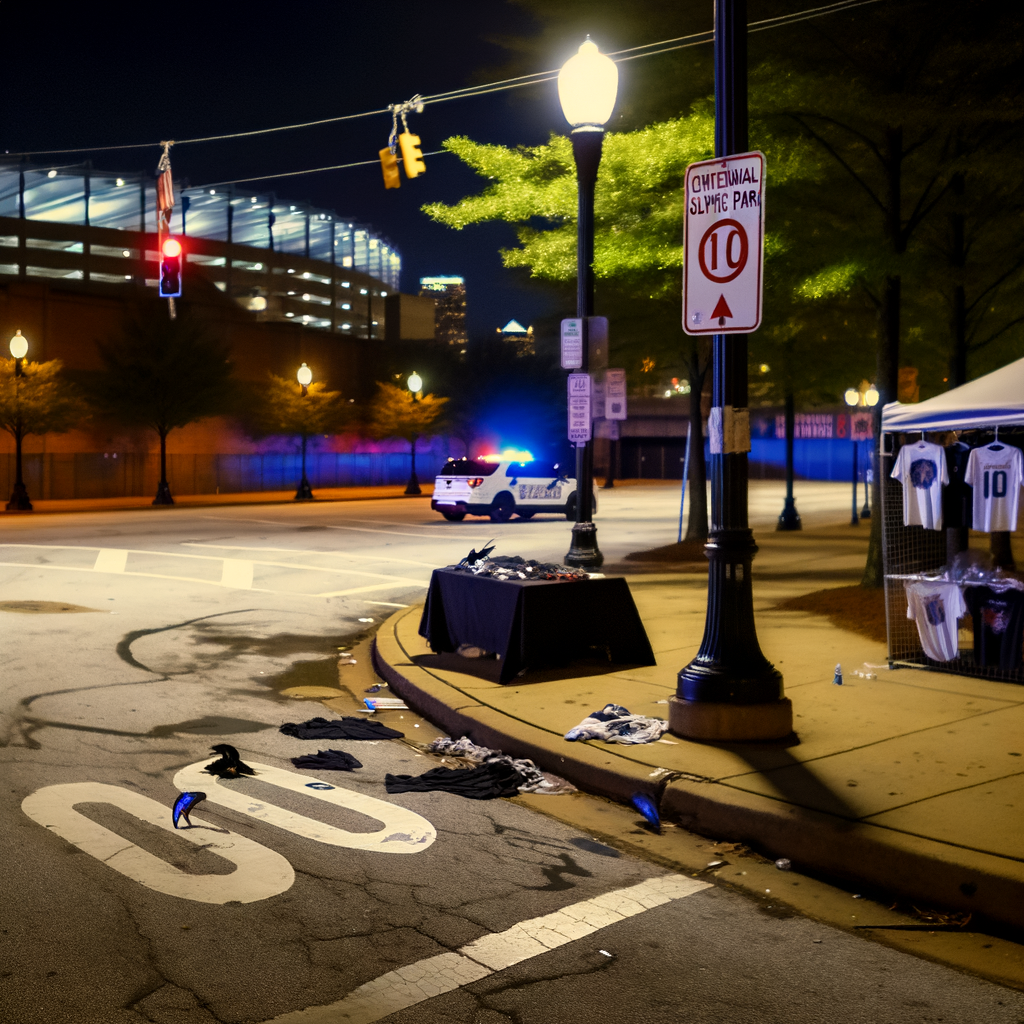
97,76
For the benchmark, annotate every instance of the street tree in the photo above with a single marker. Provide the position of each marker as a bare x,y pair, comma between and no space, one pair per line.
163,374
35,398
396,412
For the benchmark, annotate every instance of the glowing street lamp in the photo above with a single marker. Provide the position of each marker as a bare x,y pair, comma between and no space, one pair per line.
19,496
415,386
587,88
305,378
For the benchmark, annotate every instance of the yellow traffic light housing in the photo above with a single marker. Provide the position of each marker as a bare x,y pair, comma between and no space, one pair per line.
389,165
411,154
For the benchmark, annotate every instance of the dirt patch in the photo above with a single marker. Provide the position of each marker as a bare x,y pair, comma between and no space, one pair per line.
43,607
856,608
684,551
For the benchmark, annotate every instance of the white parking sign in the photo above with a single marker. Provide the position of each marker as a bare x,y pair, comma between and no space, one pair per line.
724,245
579,407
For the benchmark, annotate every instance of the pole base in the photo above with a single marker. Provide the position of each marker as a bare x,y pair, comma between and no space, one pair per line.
413,486
19,499
583,551
728,723
163,494
865,513
789,519
305,492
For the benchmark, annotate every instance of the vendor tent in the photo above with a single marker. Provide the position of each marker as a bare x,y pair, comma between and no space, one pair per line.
995,400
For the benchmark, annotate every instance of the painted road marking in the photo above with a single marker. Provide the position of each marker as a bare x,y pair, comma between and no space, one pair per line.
332,526
108,560
259,873
436,975
403,831
303,551
237,573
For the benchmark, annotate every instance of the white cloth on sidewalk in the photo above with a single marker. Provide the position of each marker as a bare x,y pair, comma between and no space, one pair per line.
614,724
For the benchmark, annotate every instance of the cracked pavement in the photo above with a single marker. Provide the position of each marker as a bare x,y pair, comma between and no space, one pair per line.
129,693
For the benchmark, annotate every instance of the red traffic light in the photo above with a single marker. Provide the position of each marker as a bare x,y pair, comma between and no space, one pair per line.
172,248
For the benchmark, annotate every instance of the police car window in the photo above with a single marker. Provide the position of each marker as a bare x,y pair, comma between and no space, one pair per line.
468,467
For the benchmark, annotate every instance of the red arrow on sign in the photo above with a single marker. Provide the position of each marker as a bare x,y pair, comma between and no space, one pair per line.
722,309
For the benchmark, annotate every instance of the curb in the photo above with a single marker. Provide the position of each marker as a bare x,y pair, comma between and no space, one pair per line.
915,867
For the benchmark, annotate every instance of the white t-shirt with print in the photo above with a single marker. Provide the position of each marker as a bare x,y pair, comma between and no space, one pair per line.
935,607
996,476
921,468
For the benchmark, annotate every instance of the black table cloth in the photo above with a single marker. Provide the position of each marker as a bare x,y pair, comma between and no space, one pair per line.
534,624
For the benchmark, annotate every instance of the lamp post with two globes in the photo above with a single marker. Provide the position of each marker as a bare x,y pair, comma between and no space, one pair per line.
865,395
19,497
587,87
305,492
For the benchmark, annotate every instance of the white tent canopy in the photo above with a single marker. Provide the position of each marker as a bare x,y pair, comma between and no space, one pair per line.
995,400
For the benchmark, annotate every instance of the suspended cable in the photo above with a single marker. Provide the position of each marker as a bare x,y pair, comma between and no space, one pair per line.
295,174
468,92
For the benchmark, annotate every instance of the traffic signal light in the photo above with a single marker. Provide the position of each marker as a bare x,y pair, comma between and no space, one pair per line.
389,165
170,269
411,154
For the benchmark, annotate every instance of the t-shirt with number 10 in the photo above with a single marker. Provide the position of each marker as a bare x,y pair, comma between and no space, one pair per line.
995,473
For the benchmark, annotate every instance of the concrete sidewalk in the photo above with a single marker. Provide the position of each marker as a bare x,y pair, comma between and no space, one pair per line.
910,784
203,500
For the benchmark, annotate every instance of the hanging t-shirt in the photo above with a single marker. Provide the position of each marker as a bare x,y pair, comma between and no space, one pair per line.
995,472
921,468
998,626
935,607
957,498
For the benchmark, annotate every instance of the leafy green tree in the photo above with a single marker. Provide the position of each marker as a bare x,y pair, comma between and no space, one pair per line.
397,412
35,398
163,374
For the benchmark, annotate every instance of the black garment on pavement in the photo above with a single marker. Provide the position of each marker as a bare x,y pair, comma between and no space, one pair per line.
229,765
957,497
340,729
332,760
483,783
998,626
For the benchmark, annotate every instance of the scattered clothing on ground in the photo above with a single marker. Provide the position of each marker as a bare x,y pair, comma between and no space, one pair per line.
330,760
534,780
229,765
485,782
340,729
614,724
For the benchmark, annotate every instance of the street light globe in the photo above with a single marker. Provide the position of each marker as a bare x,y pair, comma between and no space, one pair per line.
305,375
587,86
19,346
871,395
852,396
415,382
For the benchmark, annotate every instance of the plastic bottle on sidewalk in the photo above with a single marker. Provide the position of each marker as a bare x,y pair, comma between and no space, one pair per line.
837,679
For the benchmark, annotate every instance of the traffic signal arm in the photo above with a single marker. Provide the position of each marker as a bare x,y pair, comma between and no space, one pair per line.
389,165
411,154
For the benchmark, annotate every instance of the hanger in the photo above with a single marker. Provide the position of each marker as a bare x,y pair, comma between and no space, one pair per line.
995,446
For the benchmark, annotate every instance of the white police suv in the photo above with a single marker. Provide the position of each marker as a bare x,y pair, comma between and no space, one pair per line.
500,488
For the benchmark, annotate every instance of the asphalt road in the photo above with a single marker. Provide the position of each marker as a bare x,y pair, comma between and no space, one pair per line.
133,641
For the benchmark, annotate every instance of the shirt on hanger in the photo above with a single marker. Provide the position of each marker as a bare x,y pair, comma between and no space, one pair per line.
921,468
957,498
995,472
935,607
998,626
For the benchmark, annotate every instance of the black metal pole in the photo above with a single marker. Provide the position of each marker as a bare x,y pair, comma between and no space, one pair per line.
854,521
305,492
865,512
19,496
790,518
586,148
730,671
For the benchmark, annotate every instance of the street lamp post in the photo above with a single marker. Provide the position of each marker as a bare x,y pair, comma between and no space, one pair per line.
730,691
587,87
415,385
870,400
305,492
19,496
853,399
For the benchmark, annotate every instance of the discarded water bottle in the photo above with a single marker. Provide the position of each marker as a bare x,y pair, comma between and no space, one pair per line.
837,679
784,864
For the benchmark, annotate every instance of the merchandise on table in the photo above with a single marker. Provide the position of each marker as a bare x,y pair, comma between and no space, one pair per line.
514,567
998,626
936,607
329,760
921,468
996,473
614,724
340,729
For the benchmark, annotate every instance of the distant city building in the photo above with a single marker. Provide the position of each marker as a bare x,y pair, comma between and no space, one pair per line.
520,337
449,294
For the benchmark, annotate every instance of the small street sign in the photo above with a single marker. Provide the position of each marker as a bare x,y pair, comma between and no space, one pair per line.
572,344
615,395
861,426
723,245
579,407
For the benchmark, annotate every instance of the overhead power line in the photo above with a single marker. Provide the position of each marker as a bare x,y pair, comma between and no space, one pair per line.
468,92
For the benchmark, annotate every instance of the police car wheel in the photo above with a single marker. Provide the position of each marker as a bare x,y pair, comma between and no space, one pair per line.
502,508
454,517
525,515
